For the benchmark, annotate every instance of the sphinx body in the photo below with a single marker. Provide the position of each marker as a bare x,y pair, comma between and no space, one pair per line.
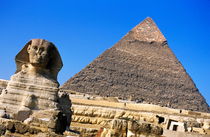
23,92
33,89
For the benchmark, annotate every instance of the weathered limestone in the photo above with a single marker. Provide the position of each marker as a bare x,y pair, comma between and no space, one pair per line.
3,84
14,128
130,128
33,89
94,115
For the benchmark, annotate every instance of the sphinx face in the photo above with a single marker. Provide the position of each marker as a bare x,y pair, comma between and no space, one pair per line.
39,54
39,57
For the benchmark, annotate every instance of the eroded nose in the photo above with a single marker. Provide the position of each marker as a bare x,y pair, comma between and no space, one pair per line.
38,51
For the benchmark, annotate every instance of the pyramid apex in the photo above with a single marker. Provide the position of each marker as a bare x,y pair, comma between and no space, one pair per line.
148,31
149,19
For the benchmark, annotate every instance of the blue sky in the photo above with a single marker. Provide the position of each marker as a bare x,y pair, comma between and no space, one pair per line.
83,29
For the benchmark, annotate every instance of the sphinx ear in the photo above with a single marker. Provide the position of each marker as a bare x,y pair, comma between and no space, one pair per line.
55,64
29,47
22,57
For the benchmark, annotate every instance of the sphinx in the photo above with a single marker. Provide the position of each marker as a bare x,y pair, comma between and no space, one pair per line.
33,91
39,58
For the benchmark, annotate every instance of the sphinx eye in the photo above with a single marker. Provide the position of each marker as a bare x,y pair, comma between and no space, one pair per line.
41,49
35,47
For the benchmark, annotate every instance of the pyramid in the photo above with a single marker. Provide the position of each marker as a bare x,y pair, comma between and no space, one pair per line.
142,68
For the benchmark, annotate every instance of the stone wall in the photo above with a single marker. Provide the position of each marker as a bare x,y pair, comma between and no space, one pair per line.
96,115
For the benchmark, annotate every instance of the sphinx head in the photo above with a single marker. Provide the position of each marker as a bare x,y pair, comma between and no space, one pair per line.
42,55
39,53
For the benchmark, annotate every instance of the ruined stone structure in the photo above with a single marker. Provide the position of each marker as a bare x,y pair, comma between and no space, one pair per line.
33,93
140,67
108,116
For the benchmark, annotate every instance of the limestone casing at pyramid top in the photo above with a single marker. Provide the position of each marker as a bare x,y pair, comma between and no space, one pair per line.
147,31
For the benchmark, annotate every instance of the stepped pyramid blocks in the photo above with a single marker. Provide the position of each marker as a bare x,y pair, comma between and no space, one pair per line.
140,67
